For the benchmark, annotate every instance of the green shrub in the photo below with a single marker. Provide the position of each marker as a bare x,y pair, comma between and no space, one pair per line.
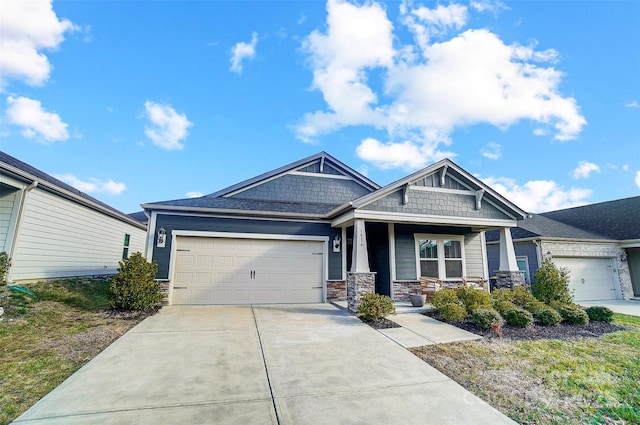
375,306
484,317
573,314
551,284
502,306
518,317
599,313
548,317
473,299
444,296
133,288
502,294
453,312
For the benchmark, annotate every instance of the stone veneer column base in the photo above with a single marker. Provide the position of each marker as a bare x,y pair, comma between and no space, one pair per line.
509,279
336,290
359,284
402,289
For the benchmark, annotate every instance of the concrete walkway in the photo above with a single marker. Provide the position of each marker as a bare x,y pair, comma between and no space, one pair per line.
311,364
630,307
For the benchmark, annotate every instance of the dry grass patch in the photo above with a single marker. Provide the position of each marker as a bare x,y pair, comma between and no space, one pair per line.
579,381
52,335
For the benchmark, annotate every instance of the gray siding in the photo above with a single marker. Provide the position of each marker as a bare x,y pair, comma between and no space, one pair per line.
473,249
522,249
436,203
213,224
7,205
297,188
406,249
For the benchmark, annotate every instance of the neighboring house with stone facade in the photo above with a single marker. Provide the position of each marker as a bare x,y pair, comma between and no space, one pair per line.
50,229
316,230
598,243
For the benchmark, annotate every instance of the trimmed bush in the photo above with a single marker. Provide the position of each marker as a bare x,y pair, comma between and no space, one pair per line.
502,306
518,317
453,312
444,296
551,284
502,294
484,317
599,313
473,299
133,288
548,317
573,314
374,307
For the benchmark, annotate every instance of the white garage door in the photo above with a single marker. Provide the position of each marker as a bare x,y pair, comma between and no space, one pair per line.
246,271
592,279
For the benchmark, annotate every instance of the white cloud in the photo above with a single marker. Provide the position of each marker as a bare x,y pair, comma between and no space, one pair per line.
36,123
470,78
584,170
28,28
492,151
404,155
538,196
194,194
633,104
638,179
242,51
92,185
167,128
488,6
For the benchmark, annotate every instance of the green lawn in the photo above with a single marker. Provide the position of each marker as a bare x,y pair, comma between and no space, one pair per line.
47,337
585,381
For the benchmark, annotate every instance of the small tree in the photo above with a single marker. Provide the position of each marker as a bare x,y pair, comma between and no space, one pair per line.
5,263
134,288
551,284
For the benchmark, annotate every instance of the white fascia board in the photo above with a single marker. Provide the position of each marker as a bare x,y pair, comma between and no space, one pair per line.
430,219
630,243
567,240
345,218
228,211
239,217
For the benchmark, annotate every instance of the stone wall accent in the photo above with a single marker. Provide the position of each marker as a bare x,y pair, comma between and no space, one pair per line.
164,290
403,288
336,290
509,280
359,284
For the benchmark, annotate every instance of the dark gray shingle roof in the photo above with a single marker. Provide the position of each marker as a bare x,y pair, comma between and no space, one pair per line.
619,219
541,226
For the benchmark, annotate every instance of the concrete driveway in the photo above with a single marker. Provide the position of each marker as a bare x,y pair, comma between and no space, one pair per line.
304,364
630,307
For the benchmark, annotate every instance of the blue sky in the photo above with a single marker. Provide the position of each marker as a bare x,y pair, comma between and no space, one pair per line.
142,101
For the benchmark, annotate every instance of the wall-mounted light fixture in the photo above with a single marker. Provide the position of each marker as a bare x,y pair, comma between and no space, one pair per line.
548,256
162,238
337,243
623,257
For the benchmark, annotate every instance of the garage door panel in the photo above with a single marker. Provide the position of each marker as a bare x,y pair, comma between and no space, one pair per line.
219,271
591,279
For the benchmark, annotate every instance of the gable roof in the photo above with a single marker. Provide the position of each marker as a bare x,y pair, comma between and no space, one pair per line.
618,219
224,201
468,180
25,172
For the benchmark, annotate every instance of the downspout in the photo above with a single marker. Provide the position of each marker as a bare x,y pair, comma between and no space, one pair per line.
14,241
538,251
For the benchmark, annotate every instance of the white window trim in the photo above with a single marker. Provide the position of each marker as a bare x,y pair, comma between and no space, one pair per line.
526,260
440,238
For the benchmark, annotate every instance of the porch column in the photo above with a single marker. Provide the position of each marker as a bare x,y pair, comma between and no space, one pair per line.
509,275
360,279
360,256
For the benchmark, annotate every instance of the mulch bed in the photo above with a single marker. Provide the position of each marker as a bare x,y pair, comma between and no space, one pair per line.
382,324
562,331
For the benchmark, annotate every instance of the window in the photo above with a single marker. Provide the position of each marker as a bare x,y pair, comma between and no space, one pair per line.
125,251
523,265
440,256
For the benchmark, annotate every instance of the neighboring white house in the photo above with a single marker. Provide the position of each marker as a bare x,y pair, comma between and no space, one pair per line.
50,229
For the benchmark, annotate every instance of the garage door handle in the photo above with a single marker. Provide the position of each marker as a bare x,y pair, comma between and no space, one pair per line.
316,287
183,250
179,287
